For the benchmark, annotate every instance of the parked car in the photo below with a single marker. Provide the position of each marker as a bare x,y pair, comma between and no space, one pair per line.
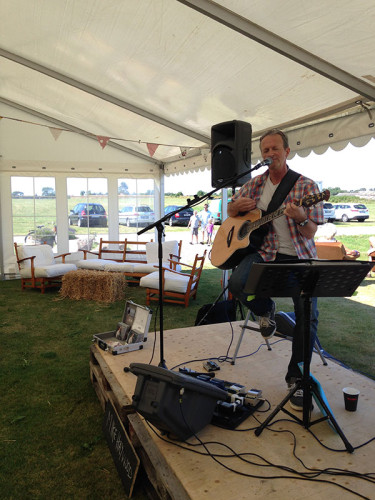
92,213
329,212
179,219
136,215
351,211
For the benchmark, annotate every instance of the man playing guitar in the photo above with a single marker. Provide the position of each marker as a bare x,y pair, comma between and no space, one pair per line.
289,237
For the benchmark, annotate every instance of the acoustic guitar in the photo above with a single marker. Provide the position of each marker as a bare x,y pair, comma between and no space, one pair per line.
234,238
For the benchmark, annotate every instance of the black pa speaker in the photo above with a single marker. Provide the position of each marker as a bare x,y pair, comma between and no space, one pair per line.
177,404
230,152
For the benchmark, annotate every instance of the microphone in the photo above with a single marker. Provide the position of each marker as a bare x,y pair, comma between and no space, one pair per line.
266,162
263,163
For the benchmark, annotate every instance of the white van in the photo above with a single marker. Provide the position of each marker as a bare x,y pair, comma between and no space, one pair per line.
215,207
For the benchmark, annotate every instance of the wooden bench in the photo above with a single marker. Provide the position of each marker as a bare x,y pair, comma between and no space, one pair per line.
113,250
139,263
134,259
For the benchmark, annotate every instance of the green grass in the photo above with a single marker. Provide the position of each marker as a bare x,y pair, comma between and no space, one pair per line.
28,212
52,445
42,211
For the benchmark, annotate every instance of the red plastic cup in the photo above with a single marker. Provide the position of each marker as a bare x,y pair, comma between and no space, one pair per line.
350,398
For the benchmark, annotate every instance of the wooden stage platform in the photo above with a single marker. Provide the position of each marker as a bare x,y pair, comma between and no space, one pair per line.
189,473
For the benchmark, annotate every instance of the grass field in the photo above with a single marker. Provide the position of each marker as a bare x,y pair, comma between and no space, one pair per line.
28,212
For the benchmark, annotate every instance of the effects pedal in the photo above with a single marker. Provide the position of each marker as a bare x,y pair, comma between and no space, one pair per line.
211,366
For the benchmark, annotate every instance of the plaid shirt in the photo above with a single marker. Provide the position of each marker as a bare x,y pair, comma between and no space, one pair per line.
304,247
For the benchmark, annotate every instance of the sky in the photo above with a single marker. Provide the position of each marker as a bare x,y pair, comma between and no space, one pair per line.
351,168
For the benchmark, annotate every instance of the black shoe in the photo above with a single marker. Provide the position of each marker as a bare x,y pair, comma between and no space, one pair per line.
296,401
267,323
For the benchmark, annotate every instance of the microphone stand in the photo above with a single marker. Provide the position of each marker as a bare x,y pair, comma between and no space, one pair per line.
160,229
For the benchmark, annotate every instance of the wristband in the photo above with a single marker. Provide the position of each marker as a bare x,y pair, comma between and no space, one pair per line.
303,223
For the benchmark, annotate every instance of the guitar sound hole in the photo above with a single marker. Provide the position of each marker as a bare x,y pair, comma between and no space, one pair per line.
244,230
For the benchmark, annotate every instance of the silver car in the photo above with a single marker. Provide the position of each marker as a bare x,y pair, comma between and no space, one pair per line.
136,215
329,212
351,211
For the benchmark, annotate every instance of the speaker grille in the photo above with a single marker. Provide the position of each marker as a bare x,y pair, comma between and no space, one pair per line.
231,153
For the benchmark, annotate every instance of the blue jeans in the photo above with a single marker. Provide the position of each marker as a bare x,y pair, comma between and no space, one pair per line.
260,306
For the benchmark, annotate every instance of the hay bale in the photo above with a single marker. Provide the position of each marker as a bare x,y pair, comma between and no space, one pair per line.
102,286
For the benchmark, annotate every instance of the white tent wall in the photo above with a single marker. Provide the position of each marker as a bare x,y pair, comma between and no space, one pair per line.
28,149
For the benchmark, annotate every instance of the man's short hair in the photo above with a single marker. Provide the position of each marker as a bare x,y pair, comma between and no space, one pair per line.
276,131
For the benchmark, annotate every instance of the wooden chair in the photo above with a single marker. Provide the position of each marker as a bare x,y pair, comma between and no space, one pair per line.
38,267
371,252
177,287
146,261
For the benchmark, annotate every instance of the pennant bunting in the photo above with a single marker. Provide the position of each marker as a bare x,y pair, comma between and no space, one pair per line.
204,153
152,148
103,140
55,132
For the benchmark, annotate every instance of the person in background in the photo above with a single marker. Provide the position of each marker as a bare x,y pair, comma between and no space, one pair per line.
204,216
290,236
210,230
194,223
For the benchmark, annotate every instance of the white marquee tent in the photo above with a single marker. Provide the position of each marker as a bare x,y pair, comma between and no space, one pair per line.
135,86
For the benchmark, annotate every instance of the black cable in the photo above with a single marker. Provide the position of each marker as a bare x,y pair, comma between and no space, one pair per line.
297,475
154,343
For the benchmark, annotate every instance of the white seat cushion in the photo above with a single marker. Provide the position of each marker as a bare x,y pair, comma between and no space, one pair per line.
151,267
168,247
95,264
48,271
173,282
145,268
43,255
119,267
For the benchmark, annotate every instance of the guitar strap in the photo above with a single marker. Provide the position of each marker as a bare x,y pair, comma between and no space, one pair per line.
282,191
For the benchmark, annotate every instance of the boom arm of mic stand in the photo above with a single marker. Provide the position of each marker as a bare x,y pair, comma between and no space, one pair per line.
198,199
160,228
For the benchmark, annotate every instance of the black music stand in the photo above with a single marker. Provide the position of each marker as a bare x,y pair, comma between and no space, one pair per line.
306,279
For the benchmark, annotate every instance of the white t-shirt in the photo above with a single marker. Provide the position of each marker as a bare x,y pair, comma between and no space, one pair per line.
280,224
204,216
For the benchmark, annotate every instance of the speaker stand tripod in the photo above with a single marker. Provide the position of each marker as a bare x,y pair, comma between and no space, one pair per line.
306,279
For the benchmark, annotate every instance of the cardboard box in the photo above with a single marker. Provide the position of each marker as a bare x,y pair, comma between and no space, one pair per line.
131,332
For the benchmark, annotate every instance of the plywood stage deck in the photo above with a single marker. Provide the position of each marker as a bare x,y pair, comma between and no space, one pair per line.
183,474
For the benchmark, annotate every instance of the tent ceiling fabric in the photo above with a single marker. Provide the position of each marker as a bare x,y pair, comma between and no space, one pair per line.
161,72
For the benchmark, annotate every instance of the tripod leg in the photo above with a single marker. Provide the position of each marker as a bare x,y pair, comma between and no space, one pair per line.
279,407
233,362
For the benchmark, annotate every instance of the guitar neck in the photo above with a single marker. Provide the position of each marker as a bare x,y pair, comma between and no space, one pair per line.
273,215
